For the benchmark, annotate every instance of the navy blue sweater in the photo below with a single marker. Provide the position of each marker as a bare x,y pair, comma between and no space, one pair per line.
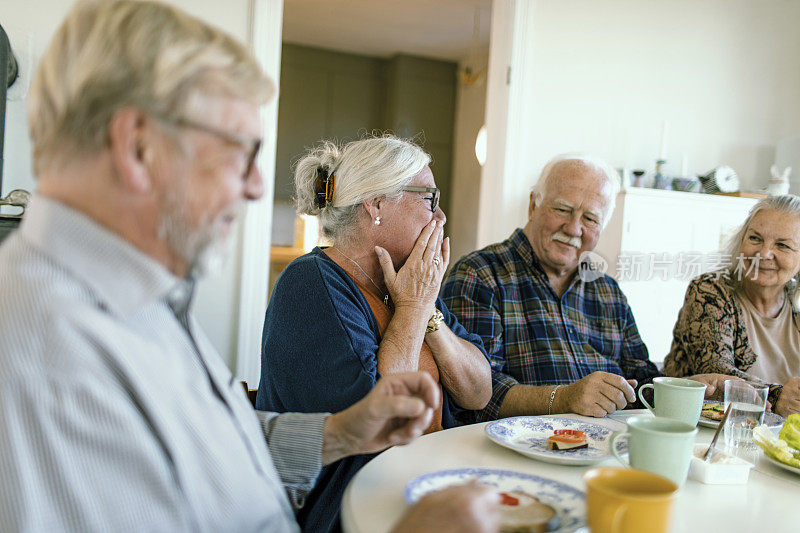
318,354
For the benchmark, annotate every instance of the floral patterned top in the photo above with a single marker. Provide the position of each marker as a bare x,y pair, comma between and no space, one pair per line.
710,334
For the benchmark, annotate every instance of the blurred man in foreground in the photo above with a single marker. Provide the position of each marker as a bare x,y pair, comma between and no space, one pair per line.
116,414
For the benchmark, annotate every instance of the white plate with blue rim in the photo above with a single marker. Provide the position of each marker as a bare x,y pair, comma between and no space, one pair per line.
569,502
772,420
528,435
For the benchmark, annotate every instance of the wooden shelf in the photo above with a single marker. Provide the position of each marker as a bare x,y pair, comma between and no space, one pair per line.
684,197
744,194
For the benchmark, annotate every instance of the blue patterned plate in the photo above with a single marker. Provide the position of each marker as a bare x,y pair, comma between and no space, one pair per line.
569,502
772,420
528,436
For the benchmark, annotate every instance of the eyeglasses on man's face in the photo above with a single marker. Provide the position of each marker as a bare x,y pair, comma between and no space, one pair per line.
433,191
249,144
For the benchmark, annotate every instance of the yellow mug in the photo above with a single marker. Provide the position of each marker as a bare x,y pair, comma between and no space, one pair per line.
622,500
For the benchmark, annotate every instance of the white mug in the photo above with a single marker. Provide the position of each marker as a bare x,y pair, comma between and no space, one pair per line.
676,398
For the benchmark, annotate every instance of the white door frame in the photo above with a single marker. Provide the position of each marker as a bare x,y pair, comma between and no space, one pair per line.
505,174
266,23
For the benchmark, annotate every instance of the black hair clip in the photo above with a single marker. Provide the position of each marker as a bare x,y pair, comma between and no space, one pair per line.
323,188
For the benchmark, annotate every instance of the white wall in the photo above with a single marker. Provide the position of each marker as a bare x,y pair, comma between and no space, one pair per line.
462,218
601,76
30,25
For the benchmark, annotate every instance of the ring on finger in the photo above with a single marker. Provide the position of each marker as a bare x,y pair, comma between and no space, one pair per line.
436,261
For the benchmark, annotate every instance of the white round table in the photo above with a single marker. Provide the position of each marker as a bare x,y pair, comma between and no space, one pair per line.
373,501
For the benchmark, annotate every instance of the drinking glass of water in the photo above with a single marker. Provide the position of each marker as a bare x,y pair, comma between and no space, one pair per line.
749,403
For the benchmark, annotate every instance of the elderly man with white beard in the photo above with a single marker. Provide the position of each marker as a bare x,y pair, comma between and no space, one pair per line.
560,338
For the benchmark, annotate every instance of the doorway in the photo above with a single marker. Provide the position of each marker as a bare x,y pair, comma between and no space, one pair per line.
353,68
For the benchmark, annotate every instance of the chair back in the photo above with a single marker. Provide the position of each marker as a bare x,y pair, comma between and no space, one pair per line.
251,394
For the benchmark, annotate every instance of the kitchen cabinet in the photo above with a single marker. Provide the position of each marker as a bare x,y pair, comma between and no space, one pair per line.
656,242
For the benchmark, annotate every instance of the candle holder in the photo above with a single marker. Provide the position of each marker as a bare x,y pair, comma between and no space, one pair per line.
661,181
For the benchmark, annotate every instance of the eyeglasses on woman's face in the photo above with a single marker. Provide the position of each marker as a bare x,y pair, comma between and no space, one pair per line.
433,191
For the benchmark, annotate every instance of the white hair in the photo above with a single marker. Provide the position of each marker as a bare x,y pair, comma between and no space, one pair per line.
596,164
361,170
789,204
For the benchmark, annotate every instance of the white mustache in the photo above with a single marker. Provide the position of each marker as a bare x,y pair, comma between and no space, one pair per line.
575,242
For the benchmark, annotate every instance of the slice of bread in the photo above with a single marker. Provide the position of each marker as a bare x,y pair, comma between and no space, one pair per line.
556,445
713,411
528,516
567,440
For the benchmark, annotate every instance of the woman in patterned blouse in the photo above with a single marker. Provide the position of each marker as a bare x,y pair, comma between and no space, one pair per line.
744,319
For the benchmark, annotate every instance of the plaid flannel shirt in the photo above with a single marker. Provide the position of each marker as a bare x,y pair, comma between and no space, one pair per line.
532,336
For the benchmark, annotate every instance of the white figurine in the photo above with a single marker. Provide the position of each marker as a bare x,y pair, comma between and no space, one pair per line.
779,182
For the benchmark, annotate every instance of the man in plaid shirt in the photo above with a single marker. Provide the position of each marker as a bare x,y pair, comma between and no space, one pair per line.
560,338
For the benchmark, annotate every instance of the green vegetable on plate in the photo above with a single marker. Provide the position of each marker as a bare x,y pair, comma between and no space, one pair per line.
786,446
790,432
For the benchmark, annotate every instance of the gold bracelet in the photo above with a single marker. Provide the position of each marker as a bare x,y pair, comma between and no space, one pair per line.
552,397
435,322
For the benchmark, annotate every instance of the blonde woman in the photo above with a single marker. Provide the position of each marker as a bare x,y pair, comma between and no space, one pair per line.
744,320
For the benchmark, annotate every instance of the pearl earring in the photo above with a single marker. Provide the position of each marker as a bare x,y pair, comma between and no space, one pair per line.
377,221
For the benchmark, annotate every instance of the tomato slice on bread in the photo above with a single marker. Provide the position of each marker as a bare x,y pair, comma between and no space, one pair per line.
568,435
567,439
507,499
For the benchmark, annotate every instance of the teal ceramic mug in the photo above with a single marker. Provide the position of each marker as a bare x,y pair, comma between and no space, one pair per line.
676,398
660,446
